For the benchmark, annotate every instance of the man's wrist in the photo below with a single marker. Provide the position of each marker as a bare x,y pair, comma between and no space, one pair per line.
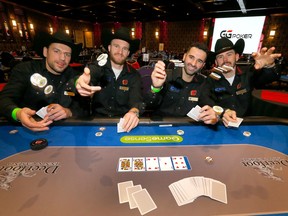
135,111
156,90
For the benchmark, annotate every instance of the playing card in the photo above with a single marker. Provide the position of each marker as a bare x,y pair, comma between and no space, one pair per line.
218,191
120,126
165,164
138,164
130,191
180,163
235,124
194,113
125,165
122,192
144,201
152,164
42,112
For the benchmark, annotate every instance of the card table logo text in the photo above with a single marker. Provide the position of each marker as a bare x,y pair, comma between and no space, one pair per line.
152,139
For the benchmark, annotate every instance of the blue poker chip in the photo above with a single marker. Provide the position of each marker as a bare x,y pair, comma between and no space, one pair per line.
38,144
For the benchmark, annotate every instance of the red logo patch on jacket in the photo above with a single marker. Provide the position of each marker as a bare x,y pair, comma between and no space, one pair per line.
124,82
193,92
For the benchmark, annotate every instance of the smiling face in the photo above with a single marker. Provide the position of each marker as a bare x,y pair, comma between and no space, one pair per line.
194,61
58,57
119,51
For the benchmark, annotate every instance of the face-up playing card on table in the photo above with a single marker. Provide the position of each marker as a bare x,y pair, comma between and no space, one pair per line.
152,164
180,163
125,164
138,164
165,164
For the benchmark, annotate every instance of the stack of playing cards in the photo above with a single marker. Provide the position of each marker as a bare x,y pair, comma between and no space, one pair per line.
194,113
136,196
42,112
138,164
188,189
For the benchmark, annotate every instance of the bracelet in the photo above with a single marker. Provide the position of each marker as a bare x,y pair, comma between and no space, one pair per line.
156,90
14,112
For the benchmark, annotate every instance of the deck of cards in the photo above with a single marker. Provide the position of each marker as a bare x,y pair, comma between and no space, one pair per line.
194,113
188,189
136,196
142,164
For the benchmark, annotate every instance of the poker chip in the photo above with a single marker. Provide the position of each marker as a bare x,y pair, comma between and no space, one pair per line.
13,131
209,159
102,128
218,110
48,89
42,82
102,62
102,56
180,132
38,144
35,78
98,134
246,133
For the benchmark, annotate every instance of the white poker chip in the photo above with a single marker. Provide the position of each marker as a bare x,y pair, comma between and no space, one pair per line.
180,132
102,56
35,78
218,110
98,134
246,133
42,82
102,128
102,62
48,89
13,131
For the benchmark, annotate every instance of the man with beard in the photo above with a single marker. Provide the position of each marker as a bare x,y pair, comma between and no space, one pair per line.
232,87
175,92
116,84
46,83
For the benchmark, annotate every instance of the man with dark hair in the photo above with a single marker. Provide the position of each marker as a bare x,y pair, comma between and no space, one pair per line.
47,83
175,92
118,84
233,84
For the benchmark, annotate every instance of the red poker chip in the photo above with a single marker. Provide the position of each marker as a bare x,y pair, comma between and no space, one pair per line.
38,144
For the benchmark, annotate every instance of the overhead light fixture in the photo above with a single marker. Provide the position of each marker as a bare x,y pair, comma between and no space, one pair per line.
242,6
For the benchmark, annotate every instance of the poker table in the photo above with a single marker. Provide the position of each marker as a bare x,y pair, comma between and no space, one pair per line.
78,172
